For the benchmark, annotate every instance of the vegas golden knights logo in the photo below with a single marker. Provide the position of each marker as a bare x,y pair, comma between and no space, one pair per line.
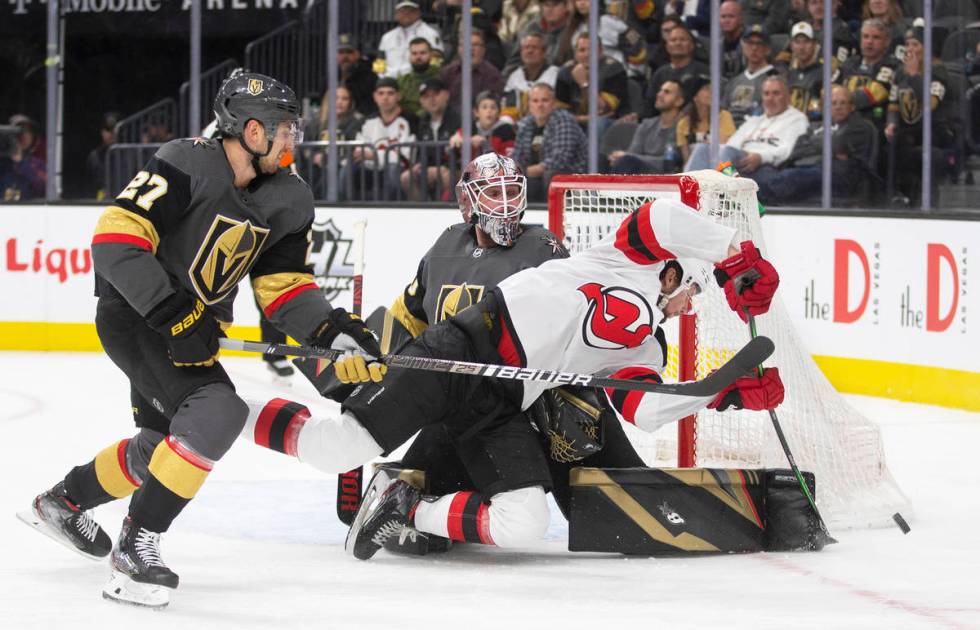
225,257
255,87
453,298
909,106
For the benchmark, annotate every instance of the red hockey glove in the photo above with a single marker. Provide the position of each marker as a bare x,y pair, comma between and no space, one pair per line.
753,393
749,281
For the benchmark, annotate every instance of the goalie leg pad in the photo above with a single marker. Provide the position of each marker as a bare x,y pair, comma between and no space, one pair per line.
791,524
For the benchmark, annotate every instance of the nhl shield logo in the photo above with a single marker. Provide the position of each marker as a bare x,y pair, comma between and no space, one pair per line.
225,257
255,87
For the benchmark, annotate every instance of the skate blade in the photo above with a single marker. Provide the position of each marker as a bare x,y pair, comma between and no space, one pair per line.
124,590
378,483
32,520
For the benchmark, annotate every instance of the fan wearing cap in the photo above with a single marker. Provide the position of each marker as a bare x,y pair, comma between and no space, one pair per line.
906,104
355,72
394,44
428,177
804,71
743,92
169,253
23,173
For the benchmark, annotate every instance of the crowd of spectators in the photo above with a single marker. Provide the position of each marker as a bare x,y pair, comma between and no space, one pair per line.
530,82
530,76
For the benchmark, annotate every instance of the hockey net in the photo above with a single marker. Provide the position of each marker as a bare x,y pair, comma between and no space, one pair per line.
842,447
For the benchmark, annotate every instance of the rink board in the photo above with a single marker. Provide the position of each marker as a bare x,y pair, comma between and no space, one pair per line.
883,304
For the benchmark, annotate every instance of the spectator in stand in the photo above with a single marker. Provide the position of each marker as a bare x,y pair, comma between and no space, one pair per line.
889,12
694,127
23,174
392,125
393,46
622,40
439,121
356,73
496,53
572,93
95,162
805,72
156,131
869,76
904,128
654,145
763,142
680,48
773,15
852,144
552,25
420,56
696,14
743,92
515,17
843,39
578,23
534,68
549,142
349,119
492,132
658,52
732,27
484,77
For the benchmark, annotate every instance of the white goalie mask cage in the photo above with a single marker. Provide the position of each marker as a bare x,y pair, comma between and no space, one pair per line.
492,191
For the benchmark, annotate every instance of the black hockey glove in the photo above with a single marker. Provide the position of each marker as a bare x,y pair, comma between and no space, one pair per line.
191,331
347,332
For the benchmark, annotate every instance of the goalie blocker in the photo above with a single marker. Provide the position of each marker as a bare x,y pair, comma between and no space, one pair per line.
676,511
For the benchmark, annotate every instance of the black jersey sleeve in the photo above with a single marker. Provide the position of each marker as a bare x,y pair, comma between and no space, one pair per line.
129,231
285,290
408,307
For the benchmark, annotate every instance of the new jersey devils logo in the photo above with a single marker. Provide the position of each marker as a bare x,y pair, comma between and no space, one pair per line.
617,317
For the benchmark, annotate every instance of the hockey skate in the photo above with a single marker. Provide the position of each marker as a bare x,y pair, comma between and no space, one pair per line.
53,514
385,512
412,542
139,576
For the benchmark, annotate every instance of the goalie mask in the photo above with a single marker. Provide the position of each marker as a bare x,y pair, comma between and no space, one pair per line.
492,192
695,278
571,420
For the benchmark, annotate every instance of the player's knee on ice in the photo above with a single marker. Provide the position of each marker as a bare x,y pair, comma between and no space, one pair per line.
519,518
210,419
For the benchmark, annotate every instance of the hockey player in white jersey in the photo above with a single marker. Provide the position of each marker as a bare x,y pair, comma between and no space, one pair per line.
596,313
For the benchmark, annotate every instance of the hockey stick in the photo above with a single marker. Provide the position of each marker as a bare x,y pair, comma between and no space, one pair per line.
823,536
745,360
349,483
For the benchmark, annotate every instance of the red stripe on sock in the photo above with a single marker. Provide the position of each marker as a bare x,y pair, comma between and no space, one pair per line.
454,523
290,441
121,458
188,455
264,422
483,524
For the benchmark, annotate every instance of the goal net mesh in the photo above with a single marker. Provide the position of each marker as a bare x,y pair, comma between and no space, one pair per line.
826,436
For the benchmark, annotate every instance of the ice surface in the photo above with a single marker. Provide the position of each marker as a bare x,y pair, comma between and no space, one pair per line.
260,545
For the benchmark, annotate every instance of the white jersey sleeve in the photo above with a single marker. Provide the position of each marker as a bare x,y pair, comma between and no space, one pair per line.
596,312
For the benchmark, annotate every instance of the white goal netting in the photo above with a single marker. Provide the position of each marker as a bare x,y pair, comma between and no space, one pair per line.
826,436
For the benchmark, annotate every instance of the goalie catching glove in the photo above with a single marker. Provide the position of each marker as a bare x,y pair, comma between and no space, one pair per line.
749,281
346,332
191,331
756,393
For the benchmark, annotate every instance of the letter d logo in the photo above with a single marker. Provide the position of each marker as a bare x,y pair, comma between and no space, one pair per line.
842,249
936,252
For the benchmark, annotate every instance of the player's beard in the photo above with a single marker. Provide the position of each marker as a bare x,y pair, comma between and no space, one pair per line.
268,164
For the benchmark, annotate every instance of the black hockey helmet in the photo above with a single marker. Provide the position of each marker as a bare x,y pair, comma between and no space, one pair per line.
246,96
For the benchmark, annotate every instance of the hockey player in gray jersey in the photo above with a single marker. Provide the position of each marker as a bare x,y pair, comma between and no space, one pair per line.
169,253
